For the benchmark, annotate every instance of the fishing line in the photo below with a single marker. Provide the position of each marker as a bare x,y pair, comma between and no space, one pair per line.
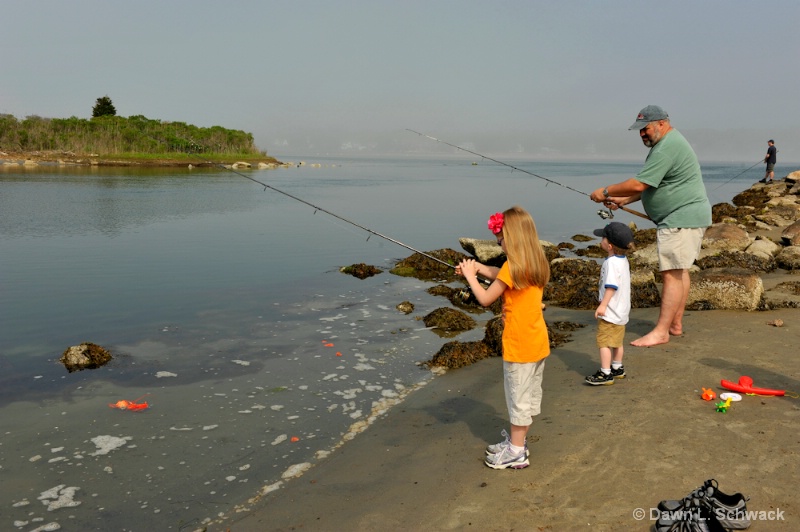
760,161
320,209
603,214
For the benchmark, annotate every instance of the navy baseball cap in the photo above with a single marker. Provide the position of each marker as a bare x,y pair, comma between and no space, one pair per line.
617,233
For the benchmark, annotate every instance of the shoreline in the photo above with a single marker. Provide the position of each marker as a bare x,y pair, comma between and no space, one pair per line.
61,158
604,456
597,453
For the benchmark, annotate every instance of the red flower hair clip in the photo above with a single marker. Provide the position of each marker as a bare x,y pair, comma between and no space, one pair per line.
496,223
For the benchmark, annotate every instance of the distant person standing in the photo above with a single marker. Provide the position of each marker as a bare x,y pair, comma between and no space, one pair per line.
671,188
771,158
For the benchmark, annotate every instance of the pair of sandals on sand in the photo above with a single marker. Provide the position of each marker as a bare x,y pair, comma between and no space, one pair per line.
704,509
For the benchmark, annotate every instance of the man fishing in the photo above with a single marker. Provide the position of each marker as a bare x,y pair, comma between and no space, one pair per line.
671,188
770,158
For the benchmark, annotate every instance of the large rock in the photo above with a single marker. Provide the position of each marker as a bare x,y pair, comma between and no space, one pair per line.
644,292
789,258
725,289
485,251
722,236
789,211
791,234
772,220
448,321
573,283
84,356
737,259
488,252
647,256
763,248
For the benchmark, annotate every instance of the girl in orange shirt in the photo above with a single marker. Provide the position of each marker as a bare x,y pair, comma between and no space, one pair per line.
521,281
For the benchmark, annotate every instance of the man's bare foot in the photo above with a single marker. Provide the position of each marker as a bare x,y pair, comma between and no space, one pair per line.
676,331
650,339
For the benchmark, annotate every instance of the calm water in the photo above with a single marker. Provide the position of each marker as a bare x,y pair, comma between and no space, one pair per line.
226,312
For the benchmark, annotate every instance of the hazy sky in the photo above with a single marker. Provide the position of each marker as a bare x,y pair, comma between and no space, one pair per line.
561,79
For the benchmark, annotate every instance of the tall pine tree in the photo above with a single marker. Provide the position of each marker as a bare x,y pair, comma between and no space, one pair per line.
103,107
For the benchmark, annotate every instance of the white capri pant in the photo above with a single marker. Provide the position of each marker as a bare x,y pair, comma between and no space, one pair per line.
523,386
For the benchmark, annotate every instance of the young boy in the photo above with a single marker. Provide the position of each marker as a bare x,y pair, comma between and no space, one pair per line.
615,302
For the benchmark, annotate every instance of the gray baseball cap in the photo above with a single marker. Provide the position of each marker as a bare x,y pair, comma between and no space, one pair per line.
617,233
647,115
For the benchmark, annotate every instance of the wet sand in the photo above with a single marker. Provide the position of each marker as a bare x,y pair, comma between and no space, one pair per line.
601,457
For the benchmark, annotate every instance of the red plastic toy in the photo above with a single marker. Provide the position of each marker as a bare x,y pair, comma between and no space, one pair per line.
745,385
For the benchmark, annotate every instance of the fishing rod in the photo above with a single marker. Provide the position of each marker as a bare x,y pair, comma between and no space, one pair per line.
329,213
760,161
603,214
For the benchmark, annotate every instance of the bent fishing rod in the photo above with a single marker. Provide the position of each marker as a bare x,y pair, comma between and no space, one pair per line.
329,213
603,214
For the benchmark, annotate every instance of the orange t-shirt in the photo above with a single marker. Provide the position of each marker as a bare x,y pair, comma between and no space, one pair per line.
524,331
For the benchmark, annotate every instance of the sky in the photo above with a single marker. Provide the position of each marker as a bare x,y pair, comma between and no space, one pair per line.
534,79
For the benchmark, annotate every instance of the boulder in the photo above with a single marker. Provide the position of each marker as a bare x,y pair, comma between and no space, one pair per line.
791,234
485,251
644,292
360,270
789,258
488,252
794,177
725,289
647,256
788,210
573,283
448,321
772,220
763,248
724,236
84,356
736,259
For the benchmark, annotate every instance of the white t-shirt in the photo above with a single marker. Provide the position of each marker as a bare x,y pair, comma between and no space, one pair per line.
616,273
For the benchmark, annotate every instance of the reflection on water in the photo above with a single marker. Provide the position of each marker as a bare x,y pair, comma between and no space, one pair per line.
225,310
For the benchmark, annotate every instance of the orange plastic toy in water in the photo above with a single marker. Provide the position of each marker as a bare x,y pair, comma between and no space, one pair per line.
130,405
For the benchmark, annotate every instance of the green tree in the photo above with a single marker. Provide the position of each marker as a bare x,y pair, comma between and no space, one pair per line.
103,107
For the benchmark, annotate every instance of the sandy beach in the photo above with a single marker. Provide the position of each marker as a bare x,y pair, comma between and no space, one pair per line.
601,457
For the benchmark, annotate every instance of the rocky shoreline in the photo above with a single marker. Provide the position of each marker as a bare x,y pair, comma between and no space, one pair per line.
749,261
68,158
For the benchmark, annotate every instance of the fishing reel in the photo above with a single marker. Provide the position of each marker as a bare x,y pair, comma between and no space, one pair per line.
605,214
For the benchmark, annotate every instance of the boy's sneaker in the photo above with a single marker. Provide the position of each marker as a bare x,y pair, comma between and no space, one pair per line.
497,447
505,459
618,373
600,379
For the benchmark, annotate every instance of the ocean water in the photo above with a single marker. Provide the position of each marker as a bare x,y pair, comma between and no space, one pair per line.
225,310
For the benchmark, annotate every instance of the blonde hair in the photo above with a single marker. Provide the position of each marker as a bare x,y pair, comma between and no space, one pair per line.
623,251
526,259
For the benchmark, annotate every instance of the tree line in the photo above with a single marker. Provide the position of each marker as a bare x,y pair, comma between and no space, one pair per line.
110,135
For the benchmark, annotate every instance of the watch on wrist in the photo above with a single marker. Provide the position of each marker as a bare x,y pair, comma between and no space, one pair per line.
605,192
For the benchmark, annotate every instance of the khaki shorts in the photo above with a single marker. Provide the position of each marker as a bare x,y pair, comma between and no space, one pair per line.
770,167
523,385
679,248
609,334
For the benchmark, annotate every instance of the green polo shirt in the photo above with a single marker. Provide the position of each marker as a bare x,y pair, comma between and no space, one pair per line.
677,196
